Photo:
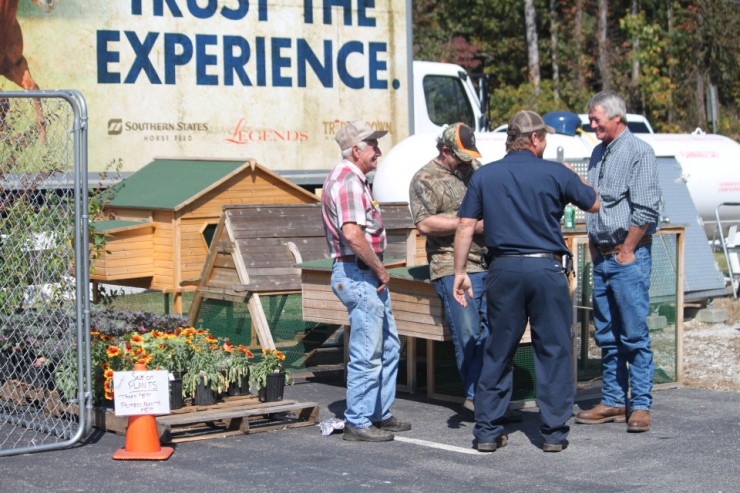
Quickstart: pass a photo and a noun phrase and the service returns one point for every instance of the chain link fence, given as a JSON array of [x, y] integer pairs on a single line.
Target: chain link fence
[[44, 364]]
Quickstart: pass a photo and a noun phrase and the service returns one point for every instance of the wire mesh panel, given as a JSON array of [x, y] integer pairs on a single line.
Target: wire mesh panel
[[42, 345], [306, 345], [447, 377]]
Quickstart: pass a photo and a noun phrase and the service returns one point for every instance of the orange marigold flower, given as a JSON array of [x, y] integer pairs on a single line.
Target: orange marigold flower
[[279, 355], [113, 351], [106, 385], [188, 342], [157, 334], [107, 338], [210, 339], [228, 347], [108, 373], [200, 332], [94, 332], [137, 339], [188, 332], [139, 351], [109, 396]]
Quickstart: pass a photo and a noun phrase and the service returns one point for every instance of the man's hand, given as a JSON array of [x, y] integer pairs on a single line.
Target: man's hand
[[625, 257], [384, 279], [460, 286], [355, 237]]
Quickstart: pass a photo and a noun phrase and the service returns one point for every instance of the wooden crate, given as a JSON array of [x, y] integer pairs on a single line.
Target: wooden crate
[[233, 416]]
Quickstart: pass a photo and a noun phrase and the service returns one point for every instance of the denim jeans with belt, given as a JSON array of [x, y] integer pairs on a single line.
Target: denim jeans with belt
[[468, 327], [373, 344], [621, 306]]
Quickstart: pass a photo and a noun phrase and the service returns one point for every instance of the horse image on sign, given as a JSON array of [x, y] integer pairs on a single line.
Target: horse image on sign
[[13, 64]]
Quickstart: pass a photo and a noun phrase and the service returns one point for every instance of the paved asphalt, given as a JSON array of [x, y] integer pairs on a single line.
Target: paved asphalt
[[694, 447]]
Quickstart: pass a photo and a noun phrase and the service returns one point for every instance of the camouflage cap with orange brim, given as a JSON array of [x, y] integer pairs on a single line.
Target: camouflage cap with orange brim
[[461, 140]]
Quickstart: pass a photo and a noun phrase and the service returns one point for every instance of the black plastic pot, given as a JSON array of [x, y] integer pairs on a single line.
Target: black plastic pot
[[176, 392], [274, 389]]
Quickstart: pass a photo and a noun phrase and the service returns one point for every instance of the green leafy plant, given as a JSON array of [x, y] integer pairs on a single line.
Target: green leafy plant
[[206, 364], [237, 364]]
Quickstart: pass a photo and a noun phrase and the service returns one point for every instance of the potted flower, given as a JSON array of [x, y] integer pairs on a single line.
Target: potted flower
[[269, 375], [236, 368], [204, 379]]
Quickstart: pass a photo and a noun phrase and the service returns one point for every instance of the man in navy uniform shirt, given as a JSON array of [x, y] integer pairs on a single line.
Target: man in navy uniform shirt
[[521, 199]]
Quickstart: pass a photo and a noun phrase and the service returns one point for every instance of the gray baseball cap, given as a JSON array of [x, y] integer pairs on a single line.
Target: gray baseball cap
[[526, 122]]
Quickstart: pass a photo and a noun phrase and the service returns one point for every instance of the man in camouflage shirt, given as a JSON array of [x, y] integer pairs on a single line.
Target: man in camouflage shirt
[[435, 195]]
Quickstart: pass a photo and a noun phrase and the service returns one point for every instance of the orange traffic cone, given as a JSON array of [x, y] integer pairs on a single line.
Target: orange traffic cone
[[142, 438]]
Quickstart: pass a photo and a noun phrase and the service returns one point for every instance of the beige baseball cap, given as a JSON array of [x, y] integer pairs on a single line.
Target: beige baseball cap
[[353, 132]]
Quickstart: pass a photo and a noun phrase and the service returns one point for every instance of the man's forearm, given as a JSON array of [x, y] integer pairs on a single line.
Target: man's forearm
[[634, 235], [463, 241]]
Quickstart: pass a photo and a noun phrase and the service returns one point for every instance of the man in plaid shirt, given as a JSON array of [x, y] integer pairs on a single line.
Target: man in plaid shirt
[[624, 171], [356, 238]]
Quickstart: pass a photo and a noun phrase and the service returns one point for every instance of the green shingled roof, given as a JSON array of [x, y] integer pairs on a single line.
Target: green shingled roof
[[103, 226], [167, 183]]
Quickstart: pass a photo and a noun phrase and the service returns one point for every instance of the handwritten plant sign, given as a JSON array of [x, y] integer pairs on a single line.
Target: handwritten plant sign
[[141, 392]]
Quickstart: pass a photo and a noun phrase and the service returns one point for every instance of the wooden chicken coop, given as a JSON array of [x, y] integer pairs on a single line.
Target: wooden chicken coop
[[166, 215]]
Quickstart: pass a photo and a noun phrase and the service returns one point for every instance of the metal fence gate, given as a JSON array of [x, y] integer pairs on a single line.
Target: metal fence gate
[[45, 383]]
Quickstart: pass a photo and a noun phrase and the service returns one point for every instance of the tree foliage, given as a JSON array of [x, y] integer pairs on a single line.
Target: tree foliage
[[662, 55]]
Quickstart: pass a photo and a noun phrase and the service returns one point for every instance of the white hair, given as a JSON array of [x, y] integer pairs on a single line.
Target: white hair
[[361, 145], [612, 104]]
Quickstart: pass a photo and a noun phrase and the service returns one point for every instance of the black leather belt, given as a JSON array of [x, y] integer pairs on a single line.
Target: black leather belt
[[550, 256], [608, 251]]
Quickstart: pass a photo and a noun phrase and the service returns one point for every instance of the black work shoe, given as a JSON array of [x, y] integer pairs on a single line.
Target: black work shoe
[[554, 447], [500, 442], [368, 434], [393, 424]]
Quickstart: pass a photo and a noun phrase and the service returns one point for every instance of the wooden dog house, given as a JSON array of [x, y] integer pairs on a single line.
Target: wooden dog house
[[166, 215]]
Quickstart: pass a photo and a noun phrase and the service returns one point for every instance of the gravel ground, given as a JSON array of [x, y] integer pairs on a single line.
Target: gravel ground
[[712, 351]]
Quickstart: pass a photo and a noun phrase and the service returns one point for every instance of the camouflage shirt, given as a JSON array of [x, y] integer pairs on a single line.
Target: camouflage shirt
[[436, 191]]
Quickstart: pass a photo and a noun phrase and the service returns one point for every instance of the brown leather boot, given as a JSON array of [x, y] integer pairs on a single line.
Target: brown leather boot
[[639, 421], [601, 414]]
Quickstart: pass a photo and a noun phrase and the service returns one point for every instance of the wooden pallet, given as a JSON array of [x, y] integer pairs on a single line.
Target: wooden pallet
[[233, 416]]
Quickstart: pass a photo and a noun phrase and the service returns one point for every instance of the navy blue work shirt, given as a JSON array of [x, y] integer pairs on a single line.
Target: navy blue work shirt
[[521, 199]]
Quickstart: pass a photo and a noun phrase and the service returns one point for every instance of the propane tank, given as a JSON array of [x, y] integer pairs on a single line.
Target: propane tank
[[710, 168]]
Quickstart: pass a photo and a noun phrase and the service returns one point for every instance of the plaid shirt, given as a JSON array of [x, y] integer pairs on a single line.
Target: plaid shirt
[[625, 173], [347, 198]]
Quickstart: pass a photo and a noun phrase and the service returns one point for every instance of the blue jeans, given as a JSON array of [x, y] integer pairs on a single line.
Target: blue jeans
[[468, 327], [373, 345], [621, 305]]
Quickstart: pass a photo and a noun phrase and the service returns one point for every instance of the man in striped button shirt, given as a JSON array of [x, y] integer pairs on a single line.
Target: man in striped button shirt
[[356, 238], [624, 171]]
